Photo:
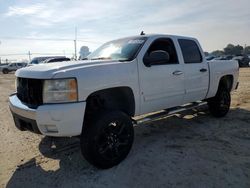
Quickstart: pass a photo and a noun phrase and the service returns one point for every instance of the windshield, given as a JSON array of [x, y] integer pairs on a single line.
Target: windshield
[[121, 49], [38, 60]]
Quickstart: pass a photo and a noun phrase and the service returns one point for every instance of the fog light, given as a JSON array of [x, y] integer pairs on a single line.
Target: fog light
[[51, 128]]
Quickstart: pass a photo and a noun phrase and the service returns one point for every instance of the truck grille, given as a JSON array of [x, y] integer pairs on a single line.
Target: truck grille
[[29, 91]]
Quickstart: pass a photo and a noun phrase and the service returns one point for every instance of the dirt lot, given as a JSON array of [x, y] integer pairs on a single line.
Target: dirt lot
[[191, 149]]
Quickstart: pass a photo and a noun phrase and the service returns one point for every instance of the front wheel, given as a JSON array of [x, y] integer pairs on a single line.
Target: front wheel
[[107, 140], [5, 71], [220, 104]]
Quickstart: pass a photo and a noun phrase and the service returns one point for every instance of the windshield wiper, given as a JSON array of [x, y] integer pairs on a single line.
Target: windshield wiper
[[100, 58], [123, 60]]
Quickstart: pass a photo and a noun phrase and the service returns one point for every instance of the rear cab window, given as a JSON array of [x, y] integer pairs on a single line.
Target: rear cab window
[[190, 51]]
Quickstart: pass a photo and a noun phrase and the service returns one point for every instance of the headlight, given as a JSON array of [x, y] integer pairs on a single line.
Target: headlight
[[60, 90]]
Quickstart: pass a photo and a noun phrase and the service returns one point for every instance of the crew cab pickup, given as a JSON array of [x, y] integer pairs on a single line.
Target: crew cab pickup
[[99, 98]]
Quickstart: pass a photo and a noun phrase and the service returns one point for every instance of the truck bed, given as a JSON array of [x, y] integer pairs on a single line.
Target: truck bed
[[219, 68]]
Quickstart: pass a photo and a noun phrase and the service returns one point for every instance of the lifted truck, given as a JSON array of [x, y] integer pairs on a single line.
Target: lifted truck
[[98, 98]]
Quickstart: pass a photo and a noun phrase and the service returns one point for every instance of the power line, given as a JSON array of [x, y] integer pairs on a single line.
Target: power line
[[13, 54], [49, 53], [47, 39]]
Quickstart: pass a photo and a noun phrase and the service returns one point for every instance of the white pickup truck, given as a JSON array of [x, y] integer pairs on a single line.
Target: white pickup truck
[[98, 98]]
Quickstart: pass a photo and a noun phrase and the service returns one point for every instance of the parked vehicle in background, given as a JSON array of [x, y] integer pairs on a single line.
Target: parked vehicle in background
[[38, 60], [97, 99], [210, 58], [56, 59], [242, 60], [217, 58], [227, 57], [3, 64], [12, 67]]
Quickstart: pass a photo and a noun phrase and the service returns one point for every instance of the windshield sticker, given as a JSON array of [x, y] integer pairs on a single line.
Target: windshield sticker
[[137, 41]]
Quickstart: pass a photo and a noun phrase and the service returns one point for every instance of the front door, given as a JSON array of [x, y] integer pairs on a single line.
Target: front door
[[161, 85]]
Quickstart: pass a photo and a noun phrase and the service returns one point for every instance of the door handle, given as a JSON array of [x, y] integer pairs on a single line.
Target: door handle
[[177, 73], [203, 70]]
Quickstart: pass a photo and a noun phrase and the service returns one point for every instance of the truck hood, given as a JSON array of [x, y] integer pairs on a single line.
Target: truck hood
[[49, 70]]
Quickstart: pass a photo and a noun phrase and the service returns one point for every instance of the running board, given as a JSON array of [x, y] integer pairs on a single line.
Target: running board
[[170, 111]]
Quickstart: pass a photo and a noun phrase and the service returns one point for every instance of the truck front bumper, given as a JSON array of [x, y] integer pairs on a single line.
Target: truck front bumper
[[51, 119]]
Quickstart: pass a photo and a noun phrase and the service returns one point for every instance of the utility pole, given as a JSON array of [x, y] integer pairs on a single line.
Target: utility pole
[[0, 57], [29, 54], [75, 43]]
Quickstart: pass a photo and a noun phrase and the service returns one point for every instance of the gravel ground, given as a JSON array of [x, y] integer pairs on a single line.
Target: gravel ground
[[190, 149]]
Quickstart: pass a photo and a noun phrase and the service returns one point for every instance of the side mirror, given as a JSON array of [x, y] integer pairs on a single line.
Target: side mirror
[[156, 58]]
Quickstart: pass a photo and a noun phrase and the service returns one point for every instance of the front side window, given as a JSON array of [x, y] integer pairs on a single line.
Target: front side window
[[121, 49], [190, 51], [165, 45]]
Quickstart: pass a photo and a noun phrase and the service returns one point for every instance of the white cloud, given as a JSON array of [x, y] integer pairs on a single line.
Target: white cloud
[[214, 23], [25, 10]]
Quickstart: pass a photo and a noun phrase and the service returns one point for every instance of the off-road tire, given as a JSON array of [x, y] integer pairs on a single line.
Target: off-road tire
[[220, 104], [107, 140]]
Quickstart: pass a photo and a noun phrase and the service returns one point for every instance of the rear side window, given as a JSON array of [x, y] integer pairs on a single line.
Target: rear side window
[[190, 51]]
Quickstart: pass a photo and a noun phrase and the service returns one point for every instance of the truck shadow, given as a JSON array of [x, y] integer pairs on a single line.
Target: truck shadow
[[188, 142]]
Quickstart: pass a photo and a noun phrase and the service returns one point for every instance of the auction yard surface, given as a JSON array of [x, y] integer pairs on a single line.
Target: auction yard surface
[[191, 149]]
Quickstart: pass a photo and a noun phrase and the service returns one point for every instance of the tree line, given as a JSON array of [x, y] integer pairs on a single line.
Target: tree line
[[231, 49]]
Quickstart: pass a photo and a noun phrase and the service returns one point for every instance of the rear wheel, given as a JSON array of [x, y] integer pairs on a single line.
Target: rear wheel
[[220, 104], [107, 140]]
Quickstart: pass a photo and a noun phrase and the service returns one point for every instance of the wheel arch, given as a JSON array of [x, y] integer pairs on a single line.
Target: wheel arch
[[226, 81], [115, 98], [5, 70]]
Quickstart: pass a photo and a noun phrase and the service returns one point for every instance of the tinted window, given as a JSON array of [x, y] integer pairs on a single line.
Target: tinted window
[[58, 60], [54, 60], [166, 45], [34, 61], [190, 51]]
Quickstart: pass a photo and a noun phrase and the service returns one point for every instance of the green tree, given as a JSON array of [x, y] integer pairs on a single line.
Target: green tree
[[247, 50], [206, 53], [230, 49], [238, 50], [217, 53]]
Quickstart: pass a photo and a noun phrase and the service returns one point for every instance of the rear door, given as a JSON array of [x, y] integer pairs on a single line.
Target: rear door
[[196, 70], [162, 85]]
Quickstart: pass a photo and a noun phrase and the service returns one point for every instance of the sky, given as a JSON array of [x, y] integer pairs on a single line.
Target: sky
[[214, 23]]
